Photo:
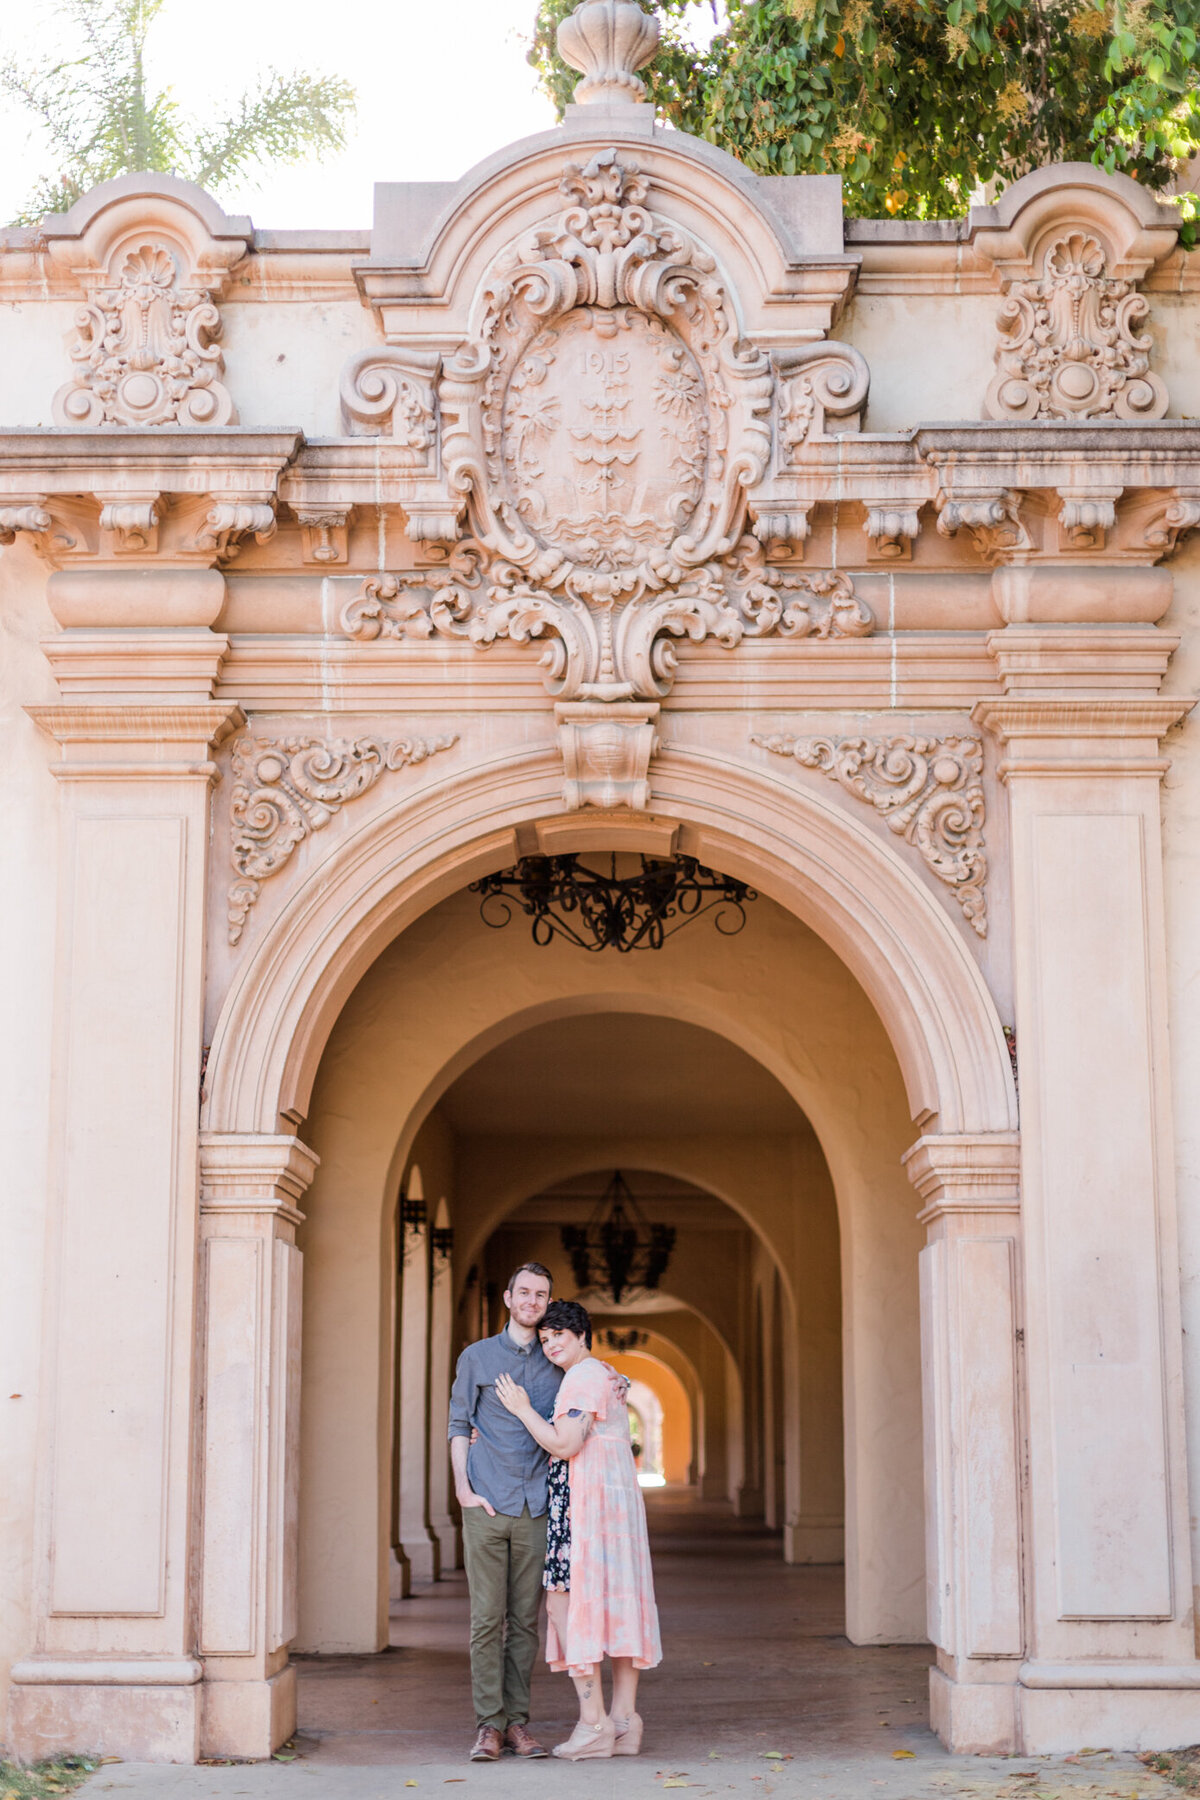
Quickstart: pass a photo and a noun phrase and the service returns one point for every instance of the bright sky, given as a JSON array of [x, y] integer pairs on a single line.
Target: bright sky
[[441, 84]]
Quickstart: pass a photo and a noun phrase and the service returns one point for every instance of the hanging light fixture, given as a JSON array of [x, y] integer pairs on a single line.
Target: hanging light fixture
[[618, 1249], [622, 1342], [597, 911]]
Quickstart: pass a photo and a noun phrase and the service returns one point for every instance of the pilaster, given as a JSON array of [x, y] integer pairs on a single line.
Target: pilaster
[[113, 1664], [971, 1379], [416, 1546], [441, 1371], [1079, 728], [248, 1439]]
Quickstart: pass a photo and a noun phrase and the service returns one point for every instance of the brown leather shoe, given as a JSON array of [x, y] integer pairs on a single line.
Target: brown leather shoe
[[521, 1741], [488, 1744]]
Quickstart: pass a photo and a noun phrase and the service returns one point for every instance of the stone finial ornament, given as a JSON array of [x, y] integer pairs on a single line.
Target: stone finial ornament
[[606, 40]]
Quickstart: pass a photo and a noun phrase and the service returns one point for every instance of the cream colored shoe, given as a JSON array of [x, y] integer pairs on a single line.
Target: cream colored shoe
[[629, 1735], [588, 1741]]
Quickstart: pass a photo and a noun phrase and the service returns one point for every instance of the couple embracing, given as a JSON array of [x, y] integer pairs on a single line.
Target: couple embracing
[[545, 1477]]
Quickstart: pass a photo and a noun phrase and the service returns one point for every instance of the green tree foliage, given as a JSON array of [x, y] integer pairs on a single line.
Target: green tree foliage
[[918, 104], [102, 120]]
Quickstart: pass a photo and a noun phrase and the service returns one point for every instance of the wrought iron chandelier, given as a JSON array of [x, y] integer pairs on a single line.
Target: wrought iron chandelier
[[596, 911], [622, 1342], [618, 1249]]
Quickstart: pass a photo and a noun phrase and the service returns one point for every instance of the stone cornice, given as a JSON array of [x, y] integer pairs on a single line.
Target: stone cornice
[[58, 460], [1054, 735], [136, 742], [965, 1174]]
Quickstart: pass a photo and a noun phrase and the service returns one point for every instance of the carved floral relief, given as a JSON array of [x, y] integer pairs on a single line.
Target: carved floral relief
[[145, 351], [284, 789], [1069, 345], [929, 790]]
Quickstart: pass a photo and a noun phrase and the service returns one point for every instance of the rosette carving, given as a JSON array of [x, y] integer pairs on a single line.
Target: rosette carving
[[1069, 343], [145, 351], [284, 789], [929, 790]]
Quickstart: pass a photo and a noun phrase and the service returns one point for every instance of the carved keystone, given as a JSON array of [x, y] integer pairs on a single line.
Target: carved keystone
[[606, 752]]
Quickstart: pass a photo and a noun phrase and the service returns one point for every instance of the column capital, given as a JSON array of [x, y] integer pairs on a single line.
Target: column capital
[[965, 1173], [1081, 734], [254, 1172], [112, 741]]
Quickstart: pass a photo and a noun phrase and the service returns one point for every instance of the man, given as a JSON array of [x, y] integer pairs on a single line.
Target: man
[[500, 1480]]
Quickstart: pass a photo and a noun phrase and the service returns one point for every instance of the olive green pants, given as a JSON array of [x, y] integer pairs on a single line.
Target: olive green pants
[[505, 1557]]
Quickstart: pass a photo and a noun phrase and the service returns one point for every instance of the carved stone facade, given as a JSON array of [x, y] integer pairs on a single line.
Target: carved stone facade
[[701, 522]]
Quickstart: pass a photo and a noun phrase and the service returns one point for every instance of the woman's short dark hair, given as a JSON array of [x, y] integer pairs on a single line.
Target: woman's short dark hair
[[568, 1315]]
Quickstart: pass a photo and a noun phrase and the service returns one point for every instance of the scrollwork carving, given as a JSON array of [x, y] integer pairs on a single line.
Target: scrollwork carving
[[228, 521], [24, 516], [1069, 343], [993, 522], [477, 597], [389, 393], [1171, 522], [819, 384], [284, 789], [145, 351], [891, 530], [929, 791]]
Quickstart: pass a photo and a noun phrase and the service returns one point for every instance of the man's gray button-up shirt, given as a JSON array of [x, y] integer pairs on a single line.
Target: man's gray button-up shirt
[[507, 1466]]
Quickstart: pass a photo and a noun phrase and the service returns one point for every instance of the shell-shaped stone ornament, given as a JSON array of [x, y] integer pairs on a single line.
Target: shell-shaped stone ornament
[[607, 40]]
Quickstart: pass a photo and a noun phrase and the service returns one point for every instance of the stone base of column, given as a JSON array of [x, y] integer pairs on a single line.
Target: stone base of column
[[446, 1533], [976, 1718], [248, 1718], [814, 1541], [1127, 1706], [420, 1553], [141, 1711], [399, 1576]]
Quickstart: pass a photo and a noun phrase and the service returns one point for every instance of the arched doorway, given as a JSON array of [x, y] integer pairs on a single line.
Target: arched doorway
[[402, 991]]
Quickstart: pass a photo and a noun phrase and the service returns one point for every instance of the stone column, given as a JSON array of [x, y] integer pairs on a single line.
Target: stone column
[[249, 1359], [441, 1372], [416, 1547], [113, 1666], [970, 1351], [1109, 1655]]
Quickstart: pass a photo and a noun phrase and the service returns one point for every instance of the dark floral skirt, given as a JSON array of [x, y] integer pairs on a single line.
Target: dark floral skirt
[[557, 1573]]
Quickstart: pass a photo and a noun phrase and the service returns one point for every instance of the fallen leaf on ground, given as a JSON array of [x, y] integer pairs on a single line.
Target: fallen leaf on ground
[[673, 1782], [110, 1759], [714, 1756], [776, 1755], [708, 1665], [284, 1756], [900, 1755], [410, 1783]]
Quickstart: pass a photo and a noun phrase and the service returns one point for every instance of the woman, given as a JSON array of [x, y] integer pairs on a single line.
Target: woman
[[600, 1591]]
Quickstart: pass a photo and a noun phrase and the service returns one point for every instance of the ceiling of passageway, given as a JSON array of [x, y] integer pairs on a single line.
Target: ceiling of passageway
[[629, 1072]]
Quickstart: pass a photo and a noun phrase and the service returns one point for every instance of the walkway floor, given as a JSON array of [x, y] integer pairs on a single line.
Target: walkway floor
[[755, 1663]]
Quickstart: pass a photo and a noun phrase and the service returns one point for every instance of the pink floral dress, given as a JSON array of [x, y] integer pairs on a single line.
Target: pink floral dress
[[611, 1609]]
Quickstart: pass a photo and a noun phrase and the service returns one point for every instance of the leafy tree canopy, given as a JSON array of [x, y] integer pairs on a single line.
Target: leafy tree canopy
[[102, 120], [918, 104]]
